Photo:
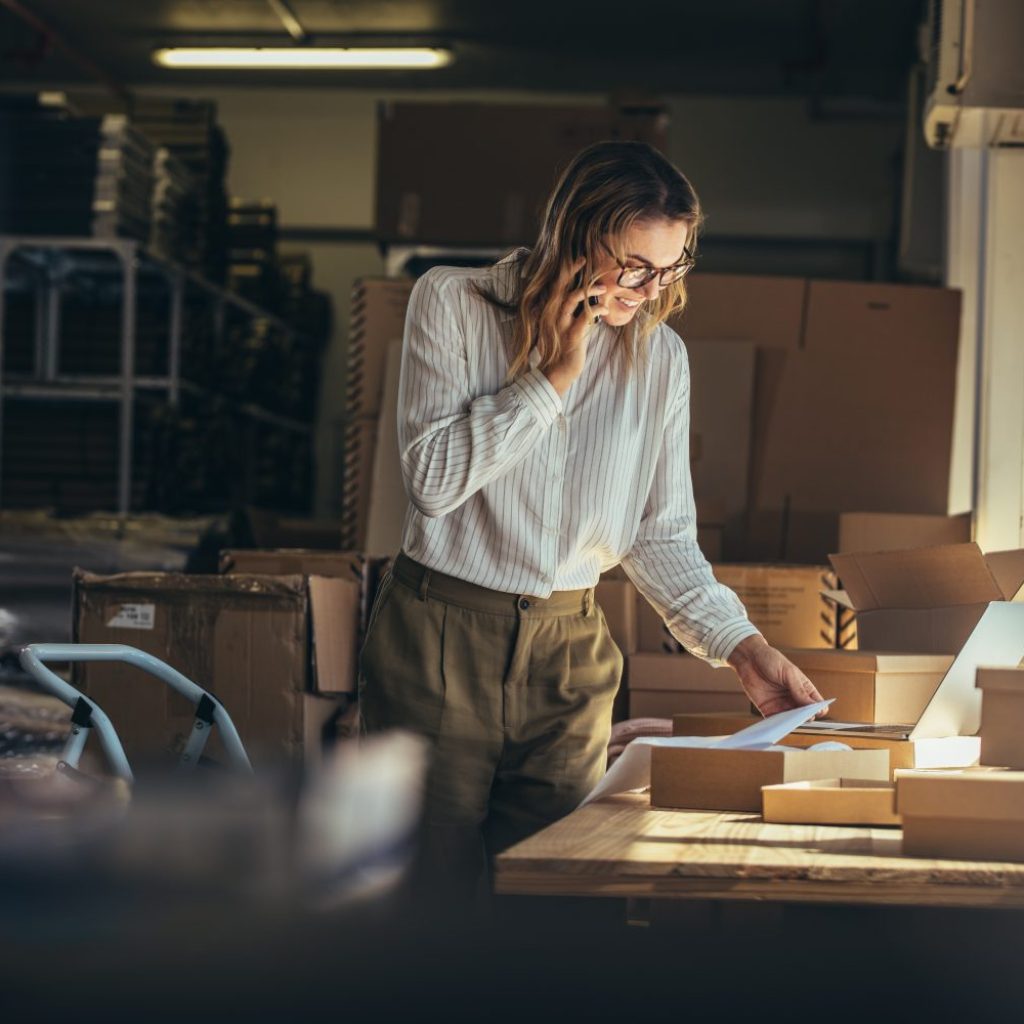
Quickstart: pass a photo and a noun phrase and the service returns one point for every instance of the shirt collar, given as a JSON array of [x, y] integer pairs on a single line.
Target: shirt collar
[[503, 277]]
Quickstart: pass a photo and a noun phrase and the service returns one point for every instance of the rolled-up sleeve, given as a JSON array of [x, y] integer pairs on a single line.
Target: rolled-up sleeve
[[665, 561], [453, 443]]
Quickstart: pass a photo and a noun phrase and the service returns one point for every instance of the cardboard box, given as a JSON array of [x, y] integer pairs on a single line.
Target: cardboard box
[[873, 687], [493, 194], [880, 531], [1002, 716], [359, 441], [785, 602], [377, 319], [721, 407], [663, 685], [669, 703], [893, 399], [731, 780], [617, 599], [243, 637], [338, 584], [924, 599], [721, 723], [831, 802], [969, 816], [944, 752]]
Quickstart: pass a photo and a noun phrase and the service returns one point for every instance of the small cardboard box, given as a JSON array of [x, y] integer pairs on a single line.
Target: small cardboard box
[[337, 584], [712, 779], [873, 687], [969, 816], [785, 602], [1002, 716], [663, 685], [943, 752], [245, 638], [831, 802], [924, 599], [894, 531], [618, 600]]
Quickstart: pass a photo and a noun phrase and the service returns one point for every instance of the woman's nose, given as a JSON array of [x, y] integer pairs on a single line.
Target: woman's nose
[[651, 289]]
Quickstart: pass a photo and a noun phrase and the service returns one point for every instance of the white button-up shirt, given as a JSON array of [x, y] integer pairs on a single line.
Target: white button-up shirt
[[515, 488]]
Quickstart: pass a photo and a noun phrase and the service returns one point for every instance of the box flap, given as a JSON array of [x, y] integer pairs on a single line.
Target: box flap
[[986, 796], [1008, 569], [334, 607], [288, 561], [937, 577], [840, 597]]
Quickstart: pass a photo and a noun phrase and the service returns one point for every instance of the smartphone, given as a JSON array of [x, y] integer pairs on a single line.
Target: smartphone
[[577, 282]]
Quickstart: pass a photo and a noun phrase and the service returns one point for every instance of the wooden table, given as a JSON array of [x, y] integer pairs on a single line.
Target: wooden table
[[622, 847]]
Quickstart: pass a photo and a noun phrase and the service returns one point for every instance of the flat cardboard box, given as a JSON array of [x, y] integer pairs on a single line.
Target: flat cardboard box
[[493, 193], [337, 584], [943, 752], [1002, 716], [243, 637], [882, 531], [721, 406], [924, 599], [618, 600], [785, 602], [969, 816], [871, 686], [731, 780], [670, 703], [831, 802], [359, 441], [879, 359], [376, 319]]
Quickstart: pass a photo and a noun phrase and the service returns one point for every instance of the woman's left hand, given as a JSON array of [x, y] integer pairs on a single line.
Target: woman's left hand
[[769, 678]]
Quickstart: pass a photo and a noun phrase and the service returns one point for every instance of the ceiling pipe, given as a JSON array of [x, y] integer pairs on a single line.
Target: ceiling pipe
[[89, 66], [289, 19]]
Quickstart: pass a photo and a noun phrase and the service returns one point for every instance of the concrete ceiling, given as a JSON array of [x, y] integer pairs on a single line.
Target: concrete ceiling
[[817, 48]]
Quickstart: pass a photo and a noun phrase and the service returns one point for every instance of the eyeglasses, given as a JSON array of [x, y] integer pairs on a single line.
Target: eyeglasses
[[638, 277]]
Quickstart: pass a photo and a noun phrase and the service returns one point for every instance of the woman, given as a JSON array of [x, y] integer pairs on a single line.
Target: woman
[[544, 436]]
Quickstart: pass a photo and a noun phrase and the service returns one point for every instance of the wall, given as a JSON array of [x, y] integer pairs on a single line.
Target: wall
[[765, 169]]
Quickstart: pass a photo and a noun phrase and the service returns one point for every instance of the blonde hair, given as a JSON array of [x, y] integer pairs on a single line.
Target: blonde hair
[[606, 189]]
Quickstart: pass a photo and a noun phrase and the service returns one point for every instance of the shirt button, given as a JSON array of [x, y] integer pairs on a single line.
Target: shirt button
[[524, 603]]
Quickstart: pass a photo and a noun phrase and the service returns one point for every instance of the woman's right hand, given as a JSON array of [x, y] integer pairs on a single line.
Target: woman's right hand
[[575, 328]]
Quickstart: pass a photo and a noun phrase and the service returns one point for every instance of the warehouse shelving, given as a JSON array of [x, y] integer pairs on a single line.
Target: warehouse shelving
[[48, 260]]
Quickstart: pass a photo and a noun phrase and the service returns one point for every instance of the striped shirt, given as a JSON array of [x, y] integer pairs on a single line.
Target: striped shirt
[[517, 489]]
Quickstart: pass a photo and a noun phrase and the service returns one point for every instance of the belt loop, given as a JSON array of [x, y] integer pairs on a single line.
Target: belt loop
[[424, 584], [588, 601]]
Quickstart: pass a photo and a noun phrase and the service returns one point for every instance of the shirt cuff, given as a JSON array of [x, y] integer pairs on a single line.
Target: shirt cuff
[[724, 639], [539, 395]]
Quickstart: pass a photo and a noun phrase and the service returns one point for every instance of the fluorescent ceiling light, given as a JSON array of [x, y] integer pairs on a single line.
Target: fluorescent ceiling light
[[302, 57]]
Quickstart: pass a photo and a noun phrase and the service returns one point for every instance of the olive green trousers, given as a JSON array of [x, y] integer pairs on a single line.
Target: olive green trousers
[[513, 692]]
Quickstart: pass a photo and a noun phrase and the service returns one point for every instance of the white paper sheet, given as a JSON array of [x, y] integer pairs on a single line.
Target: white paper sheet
[[633, 768]]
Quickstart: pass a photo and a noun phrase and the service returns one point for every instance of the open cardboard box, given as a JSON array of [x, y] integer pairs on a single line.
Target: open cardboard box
[[924, 599], [871, 686], [708, 778], [1002, 716], [966, 816], [831, 802], [338, 584]]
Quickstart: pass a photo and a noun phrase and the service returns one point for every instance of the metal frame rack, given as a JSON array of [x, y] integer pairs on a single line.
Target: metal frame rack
[[51, 258]]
